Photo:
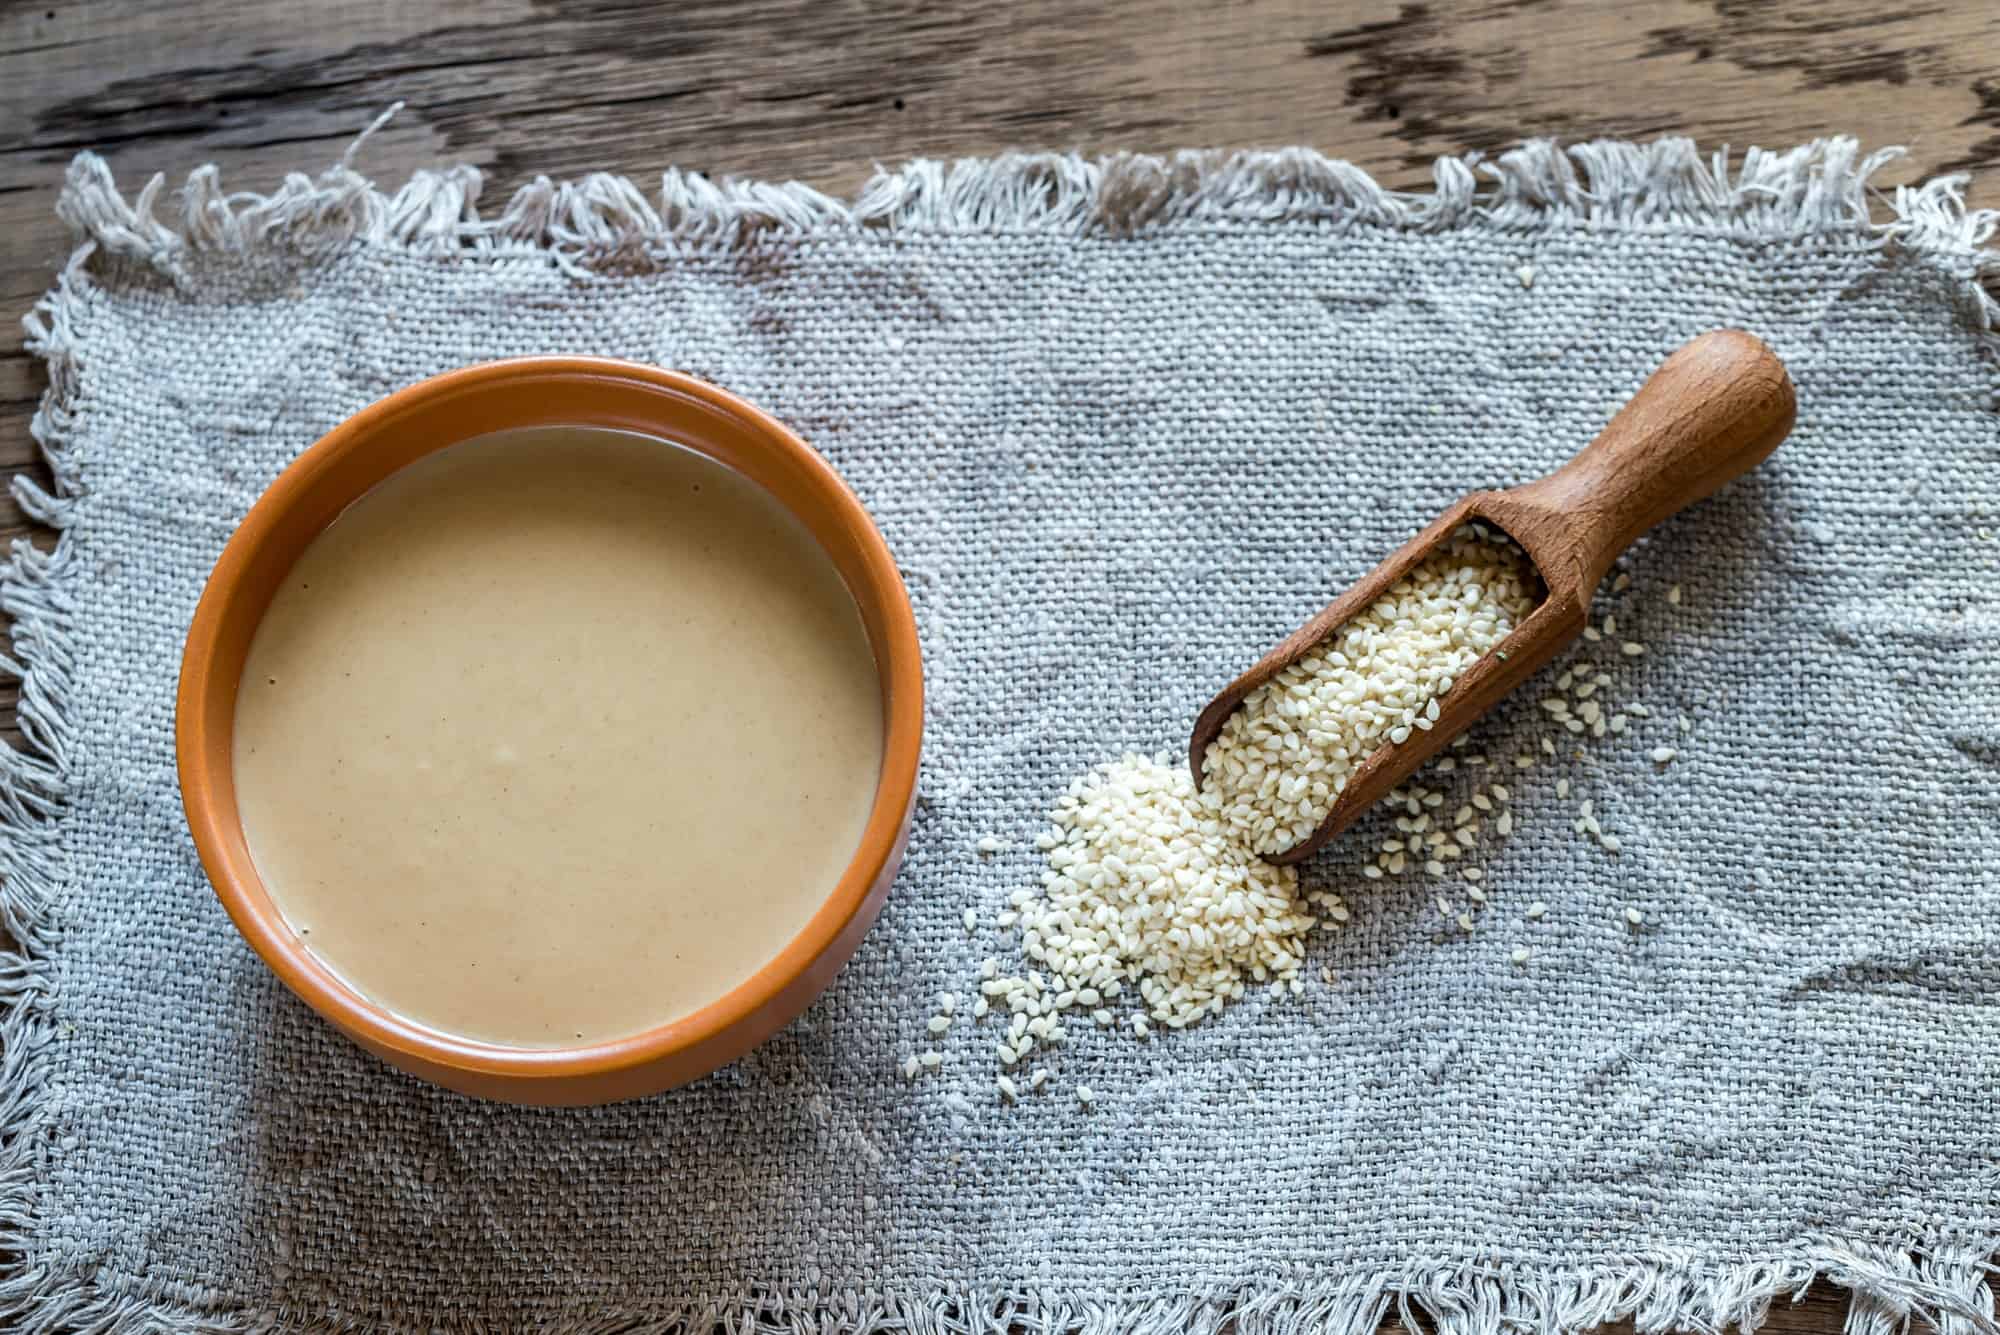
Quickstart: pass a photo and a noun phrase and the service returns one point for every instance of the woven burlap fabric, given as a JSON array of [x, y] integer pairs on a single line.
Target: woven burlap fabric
[[1123, 424]]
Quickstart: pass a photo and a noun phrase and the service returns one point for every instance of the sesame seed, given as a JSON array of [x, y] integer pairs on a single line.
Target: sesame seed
[[1139, 1026], [1631, 648], [1005, 1084], [931, 1060], [1085, 1095], [1662, 754], [1520, 955], [1562, 787], [1039, 1078], [1622, 583], [1674, 595], [911, 1066], [1286, 752], [1634, 917], [939, 1023], [988, 844], [1536, 910], [1465, 921], [971, 921]]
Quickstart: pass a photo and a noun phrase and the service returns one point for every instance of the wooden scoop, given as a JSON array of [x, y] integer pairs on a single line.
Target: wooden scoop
[[1712, 412]]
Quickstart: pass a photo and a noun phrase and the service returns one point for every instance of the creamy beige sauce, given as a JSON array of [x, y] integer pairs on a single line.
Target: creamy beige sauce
[[556, 735]]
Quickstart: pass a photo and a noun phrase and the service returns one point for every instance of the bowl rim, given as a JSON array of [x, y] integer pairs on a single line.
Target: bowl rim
[[216, 830]]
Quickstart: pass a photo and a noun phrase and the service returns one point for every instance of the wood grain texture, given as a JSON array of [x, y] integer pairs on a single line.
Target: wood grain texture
[[822, 89]]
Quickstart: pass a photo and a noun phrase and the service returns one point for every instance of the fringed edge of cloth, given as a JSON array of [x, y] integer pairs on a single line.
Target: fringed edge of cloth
[[604, 225]]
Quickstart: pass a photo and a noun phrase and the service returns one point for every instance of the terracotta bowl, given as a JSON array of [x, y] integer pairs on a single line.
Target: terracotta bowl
[[386, 436]]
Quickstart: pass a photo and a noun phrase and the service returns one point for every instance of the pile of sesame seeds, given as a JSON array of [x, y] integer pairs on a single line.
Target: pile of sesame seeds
[[1109, 921], [1149, 913], [1285, 755]]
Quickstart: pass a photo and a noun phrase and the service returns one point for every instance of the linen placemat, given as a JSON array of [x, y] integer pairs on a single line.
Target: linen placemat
[[1123, 422]]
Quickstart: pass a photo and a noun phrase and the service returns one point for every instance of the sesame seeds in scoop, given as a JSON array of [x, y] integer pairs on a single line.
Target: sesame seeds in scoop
[[1286, 754]]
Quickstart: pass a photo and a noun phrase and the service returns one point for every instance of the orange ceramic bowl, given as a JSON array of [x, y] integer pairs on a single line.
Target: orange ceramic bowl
[[386, 436]]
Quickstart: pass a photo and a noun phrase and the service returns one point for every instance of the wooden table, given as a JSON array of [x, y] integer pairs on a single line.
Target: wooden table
[[822, 89]]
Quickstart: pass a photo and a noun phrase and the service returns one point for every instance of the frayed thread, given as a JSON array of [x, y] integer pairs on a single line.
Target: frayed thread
[[35, 597], [605, 223], [1894, 1292]]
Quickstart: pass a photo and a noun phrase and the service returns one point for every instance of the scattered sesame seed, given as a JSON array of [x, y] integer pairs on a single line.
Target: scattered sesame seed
[[971, 921], [939, 1023], [1562, 787], [1638, 711], [1140, 1027], [980, 1008], [1622, 583], [1548, 747], [1663, 754], [1465, 921], [1592, 634], [1524, 761], [1536, 910], [947, 1002], [1504, 826], [988, 844], [1634, 917], [1005, 1084], [1039, 1078], [1085, 1095], [1326, 975], [1433, 868], [1611, 625], [931, 1060], [1609, 841], [1520, 955], [1631, 648], [1686, 724], [911, 1066]]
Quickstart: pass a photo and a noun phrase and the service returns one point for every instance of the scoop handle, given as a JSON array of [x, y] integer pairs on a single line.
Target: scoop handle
[[1714, 410]]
